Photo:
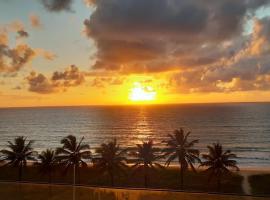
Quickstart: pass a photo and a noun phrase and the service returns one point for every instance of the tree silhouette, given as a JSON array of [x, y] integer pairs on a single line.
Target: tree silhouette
[[47, 163], [218, 162], [73, 154], [20, 151], [145, 158], [178, 147], [111, 159]]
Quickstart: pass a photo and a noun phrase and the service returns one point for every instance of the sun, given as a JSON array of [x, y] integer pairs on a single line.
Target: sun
[[141, 93]]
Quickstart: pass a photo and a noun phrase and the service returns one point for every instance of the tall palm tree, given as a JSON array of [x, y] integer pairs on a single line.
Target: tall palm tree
[[178, 147], [111, 159], [218, 162], [145, 158], [47, 163], [20, 151], [73, 154]]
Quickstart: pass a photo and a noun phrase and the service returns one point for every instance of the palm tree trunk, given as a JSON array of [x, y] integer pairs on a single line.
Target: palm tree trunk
[[145, 176], [74, 174], [50, 177], [218, 183], [50, 181], [78, 174], [112, 177], [74, 181], [181, 175], [20, 173], [182, 178]]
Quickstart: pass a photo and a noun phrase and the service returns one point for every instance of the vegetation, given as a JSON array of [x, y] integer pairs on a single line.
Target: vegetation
[[218, 163], [48, 163], [158, 179], [18, 154], [146, 158], [260, 184], [178, 147], [111, 159], [72, 157], [73, 154]]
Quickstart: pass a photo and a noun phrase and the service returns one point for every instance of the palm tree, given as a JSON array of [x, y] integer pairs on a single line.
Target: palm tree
[[111, 159], [145, 157], [218, 162], [47, 163], [73, 154], [20, 151], [178, 147]]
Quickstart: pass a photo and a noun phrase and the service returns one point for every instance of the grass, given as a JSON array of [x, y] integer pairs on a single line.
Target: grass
[[260, 184], [159, 179]]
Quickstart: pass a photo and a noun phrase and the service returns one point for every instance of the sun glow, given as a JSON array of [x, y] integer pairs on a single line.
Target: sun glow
[[140, 93]]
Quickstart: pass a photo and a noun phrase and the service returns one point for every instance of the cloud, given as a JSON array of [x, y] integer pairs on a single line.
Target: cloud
[[3, 38], [248, 68], [49, 55], [137, 36], [202, 44], [45, 54], [40, 84], [102, 82], [14, 26], [17, 88], [35, 21], [13, 59], [22, 33], [90, 2], [58, 82], [72, 76], [260, 38], [57, 5]]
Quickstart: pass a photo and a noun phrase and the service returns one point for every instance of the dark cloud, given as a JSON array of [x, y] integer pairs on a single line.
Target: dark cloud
[[57, 5], [40, 84], [72, 76], [59, 81], [204, 41], [13, 59], [22, 33], [247, 69], [161, 35]]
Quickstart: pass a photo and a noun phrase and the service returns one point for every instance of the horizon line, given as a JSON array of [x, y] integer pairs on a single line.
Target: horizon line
[[152, 104]]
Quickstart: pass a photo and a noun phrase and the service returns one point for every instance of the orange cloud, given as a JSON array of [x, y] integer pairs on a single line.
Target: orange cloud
[[35, 21], [59, 81]]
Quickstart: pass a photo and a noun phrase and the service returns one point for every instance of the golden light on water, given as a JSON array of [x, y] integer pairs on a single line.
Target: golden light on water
[[140, 93]]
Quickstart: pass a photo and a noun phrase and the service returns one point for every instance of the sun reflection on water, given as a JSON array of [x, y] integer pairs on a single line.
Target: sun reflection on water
[[142, 128]]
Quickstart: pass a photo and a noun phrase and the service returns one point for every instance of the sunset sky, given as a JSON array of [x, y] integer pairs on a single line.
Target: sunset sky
[[89, 52]]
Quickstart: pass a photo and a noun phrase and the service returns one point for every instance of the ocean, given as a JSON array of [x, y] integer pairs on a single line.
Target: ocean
[[244, 128]]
